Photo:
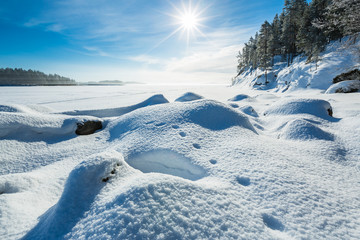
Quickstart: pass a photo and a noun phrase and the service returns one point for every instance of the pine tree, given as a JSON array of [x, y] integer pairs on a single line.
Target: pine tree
[[275, 38], [342, 18], [293, 12], [263, 47]]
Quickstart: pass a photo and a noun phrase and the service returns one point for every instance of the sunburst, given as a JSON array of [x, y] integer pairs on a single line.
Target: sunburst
[[189, 20]]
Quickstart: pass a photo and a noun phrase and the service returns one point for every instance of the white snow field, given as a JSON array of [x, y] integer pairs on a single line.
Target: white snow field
[[218, 163]]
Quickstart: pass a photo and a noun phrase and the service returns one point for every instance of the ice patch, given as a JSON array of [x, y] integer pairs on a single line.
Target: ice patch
[[167, 162], [300, 129], [189, 96], [316, 107]]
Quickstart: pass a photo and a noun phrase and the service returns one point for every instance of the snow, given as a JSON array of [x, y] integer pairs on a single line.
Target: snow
[[234, 164], [187, 97], [344, 87], [338, 57]]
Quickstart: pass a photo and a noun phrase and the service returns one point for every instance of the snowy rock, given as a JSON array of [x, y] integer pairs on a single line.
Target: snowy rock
[[351, 75], [88, 127], [189, 96], [316, 107], [344, 87], [35, 126]]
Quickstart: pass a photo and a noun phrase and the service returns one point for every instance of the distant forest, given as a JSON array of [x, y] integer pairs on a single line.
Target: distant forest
[[302, 28], [21, 77]]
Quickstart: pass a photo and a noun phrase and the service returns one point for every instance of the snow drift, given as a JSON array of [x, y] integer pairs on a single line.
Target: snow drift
[[195, 169], [114, 112], [316, 107]]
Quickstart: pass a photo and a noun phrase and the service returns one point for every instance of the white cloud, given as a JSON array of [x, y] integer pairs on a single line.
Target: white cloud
[[147, 59]]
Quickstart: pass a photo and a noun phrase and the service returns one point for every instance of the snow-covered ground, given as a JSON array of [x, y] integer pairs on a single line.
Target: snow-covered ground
[[337, 58], [223, 162]]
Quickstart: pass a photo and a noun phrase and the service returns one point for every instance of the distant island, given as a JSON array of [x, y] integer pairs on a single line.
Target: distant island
[[21, 77]]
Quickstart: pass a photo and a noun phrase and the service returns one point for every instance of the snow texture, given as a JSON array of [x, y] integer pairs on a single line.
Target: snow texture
[[270, 166], [344, 87], [189, 96]]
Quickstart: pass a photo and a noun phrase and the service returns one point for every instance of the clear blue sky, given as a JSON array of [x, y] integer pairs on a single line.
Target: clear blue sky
[[131, 40]]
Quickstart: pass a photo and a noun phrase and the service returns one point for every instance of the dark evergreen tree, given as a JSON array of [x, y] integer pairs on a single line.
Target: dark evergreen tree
[[263, 49], [275, 38]]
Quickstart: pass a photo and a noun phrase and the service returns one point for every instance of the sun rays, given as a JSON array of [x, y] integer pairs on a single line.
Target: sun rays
[[188, 19]]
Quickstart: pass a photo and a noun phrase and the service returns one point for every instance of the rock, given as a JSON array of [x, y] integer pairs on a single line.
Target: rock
[[88, 127], [351, 75], [348, 86]]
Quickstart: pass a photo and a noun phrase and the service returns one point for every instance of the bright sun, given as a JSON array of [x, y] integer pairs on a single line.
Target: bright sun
[[189, 21]]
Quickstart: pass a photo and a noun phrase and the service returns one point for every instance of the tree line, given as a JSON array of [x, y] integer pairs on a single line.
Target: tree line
[[301, 28], [21, 77]]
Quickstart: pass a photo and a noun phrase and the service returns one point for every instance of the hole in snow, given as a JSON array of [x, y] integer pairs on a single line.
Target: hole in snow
[[166, 161], [213, 161], [196, 145], [272, 222], [182, 134], [245, 181]]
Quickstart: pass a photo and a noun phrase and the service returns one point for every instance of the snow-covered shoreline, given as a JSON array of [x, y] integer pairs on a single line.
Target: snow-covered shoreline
[[263, 165], [339, 57]]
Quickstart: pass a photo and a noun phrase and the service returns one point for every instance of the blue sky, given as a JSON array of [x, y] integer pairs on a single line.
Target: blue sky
[[130, 40]]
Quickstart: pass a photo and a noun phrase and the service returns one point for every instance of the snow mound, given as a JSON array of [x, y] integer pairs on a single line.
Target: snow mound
[[189, 96], [167, 208], [216, 116], [249, 110], [239, 97], [82, 186], [4, 108], [316, 107], [113, 112], [300, 129], [34, 127], [208, 114], [166, 161], [344, 87]]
